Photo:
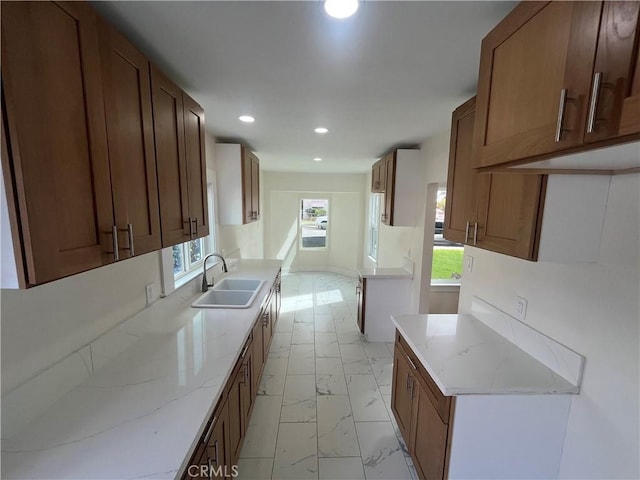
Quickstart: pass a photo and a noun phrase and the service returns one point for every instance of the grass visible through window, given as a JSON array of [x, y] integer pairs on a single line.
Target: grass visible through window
[[447, 263]]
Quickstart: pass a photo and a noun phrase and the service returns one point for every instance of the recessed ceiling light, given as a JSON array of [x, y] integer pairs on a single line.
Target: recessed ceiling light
[[317, 159], [246, 119], [321, 130], [341, 8]]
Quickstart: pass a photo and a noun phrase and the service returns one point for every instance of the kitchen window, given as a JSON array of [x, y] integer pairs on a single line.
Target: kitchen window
[[374, 225], [183, 262], [446, 267], [314, 223]]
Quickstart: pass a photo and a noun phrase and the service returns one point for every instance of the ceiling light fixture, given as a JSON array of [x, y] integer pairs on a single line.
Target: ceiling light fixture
[[317, 159], [321, 130], [246, 118], [341, 8]]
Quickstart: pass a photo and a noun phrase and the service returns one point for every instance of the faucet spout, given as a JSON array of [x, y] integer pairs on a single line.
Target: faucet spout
[[205, 283]]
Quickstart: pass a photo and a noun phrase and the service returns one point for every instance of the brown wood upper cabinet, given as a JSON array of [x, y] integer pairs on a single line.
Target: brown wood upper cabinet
[[557, 78], [55, 159], [250, 186], [497, 212], [179, 140], [378, 176], [238, 184], [401, 187], [127, 101]]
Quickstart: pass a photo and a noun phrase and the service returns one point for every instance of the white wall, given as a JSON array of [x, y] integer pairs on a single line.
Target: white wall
[[43, 325], [592, 308], [416, 242], [282, 195], [249, 239]]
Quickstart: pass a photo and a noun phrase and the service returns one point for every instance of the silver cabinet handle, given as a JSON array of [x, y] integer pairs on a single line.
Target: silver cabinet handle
[[210, 431], [413, 365], [194, 221], [132, 252], [244, 350], [215, 450], [561, 109], [114, 233], [406, 383], [475, 233], [466, 233], [593, 104], [265, 320]]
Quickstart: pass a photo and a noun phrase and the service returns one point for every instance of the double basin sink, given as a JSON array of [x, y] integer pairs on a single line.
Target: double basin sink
[[230, 293]]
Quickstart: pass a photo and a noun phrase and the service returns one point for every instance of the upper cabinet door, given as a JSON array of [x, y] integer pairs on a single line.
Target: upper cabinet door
[[56, 137], [615, 93], [510, 208], [534, 81], [168, 122], [460, 208], [247, 194], [127, 94], [389, 187], [196, 164], [255, 186]]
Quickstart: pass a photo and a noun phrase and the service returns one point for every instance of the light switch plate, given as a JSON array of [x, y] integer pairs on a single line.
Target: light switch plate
[[468, 263], [149, 293], [520, 308]]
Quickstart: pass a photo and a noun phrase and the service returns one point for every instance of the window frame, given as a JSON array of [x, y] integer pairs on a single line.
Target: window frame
[[301, 201], [374, 226], [442, 282], [171, 281]]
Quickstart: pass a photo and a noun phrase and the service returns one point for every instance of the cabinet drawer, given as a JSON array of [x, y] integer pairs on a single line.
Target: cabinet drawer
[[440, 402]]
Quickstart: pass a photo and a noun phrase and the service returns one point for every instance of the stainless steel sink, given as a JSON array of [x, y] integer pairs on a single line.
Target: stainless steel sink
[[238, 284]]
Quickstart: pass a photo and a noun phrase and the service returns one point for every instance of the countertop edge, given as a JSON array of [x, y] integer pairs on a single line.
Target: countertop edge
[[459, 391]]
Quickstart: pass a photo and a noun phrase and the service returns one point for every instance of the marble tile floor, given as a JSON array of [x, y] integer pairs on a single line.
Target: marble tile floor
[[323, 407]]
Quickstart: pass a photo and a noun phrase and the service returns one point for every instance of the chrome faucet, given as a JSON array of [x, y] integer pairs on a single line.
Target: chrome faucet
[[205, 283]]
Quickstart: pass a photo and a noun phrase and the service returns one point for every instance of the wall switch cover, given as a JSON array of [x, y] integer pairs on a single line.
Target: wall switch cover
[[468, 263], [149, 293], [520, 308]]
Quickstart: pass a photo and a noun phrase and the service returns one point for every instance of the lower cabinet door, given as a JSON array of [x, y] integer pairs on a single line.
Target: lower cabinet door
[[235, 416], [258, 357], [429, 437], [218, 444], [401, 393], [198, 467]]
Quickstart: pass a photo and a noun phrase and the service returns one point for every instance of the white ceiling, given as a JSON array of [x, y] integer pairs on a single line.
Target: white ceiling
[[388, 76]]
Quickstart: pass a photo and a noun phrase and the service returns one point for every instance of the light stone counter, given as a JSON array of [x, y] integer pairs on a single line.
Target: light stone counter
[[377, 273], [141, 414], [465, 357]]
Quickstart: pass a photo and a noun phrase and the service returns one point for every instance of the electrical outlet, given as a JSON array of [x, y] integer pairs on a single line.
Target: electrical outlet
[[468, 263], [149, 293], [520, 308]]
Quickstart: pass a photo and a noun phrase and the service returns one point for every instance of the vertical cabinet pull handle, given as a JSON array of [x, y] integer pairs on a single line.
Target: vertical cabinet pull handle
[[265, 320], [114, 233], [475, 233], [593, 104], [466, 233], [215, 450], [406, 383], [194, 222], [561, 109], [132, 251]]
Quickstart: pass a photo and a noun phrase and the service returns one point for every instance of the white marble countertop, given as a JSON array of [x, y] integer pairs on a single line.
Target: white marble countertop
[[376, 273], [141, 414], [465, 357]]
